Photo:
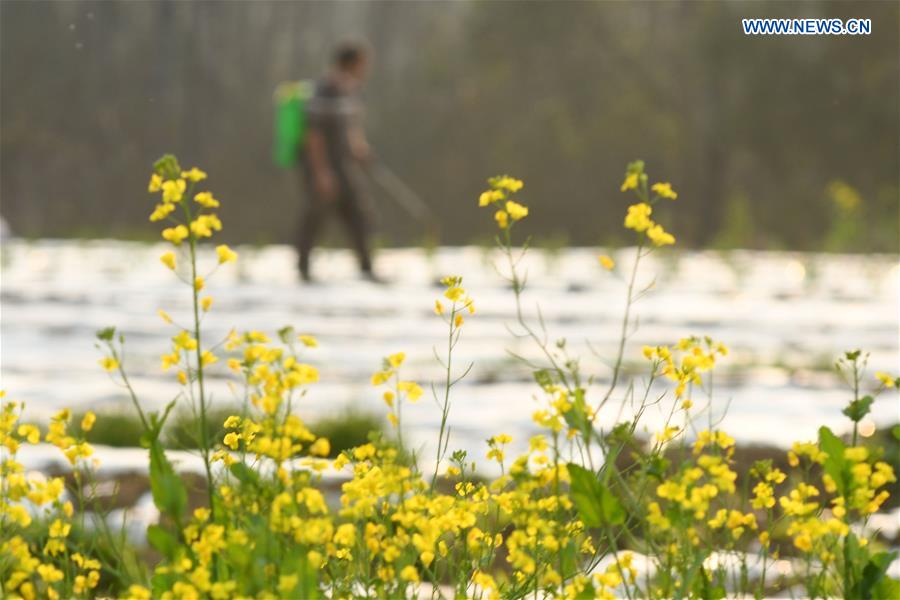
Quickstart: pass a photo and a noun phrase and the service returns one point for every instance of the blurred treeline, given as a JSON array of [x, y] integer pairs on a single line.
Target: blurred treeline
[[784, 142]]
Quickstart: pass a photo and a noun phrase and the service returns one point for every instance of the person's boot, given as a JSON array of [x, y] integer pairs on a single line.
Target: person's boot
[[303, 268], [370, 276]]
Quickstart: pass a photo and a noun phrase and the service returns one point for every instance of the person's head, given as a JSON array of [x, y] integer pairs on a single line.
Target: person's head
[[352, 58]]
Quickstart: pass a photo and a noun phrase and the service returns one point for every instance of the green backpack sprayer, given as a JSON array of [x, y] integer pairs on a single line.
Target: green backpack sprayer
[[291, 98]]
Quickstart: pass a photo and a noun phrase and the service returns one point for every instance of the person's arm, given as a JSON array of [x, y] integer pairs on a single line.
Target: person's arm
[[359, 145], [323, 177]]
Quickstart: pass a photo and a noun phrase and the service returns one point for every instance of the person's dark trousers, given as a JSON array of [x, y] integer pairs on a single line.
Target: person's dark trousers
[[352, 207]]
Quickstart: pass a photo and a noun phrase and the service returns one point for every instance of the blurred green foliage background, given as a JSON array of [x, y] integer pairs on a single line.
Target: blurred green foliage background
[[765, 138]]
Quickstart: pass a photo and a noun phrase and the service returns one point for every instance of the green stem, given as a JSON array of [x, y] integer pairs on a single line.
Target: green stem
[[204, 433], [445, 408]]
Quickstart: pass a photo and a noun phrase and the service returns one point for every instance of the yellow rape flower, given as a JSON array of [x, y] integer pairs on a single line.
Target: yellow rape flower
[[225, 254], [489, 197], [659, 236], [502, 218], [885, 379], [606, 262], [412, 390], [362, 452], [664, 190], [138, 592], [30, 433], [395, 360], [206, 303], [155, 183], [206, 200], [161, 211], [204, 225], [87, 423], [183, 341], [49, 573], [168, 259], [667, 434], [516, 211], [630, 182], [381, 377], [59, 529], [109, 363], [345, 535], [505, 182], [321, 447], [763, 496], [454, 293], [638, 217], [308, 341], [176, 235], [173, 190], [194, 175], [199, 283], [410, 574]]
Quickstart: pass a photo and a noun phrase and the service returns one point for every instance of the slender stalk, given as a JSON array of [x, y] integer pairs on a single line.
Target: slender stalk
[[623, 336], [131, 392], [445, 408], [195, 296]]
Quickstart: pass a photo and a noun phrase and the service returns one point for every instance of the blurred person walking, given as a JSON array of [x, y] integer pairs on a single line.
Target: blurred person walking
[[335, 157]]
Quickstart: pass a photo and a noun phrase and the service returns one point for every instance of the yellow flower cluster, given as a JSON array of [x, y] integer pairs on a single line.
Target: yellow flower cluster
[[499, 194], [638, 216], [398, 390], [460, 301], [543, 527], [273, 378], [40, 566], [173, 184], [684, 362]]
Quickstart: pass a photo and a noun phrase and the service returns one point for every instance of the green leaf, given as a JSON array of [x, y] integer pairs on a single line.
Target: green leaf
[[106, 334], [162, 583], [657, 466], [887, 587], [168, 490], [596, 504], [162, 540], [286, 334], [308, 584], [244, 474], [587, 593], [874, 572], [858, 409], [835, 463], [576, 417], [543, 378], [155, 426]]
